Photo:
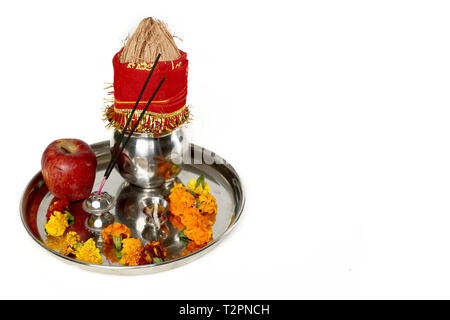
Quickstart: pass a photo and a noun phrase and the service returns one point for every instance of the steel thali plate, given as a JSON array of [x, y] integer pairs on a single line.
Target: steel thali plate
[[223, 180]]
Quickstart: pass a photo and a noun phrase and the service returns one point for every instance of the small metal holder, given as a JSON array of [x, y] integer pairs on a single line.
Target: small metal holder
[[98, 206], [156, 212]]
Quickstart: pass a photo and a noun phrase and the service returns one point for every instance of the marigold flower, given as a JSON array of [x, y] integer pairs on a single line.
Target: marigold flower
[[192, 247], [180, 199], [131, 252], [110, 252], [208, 204], [194, 209], [57, 205], [65, 244], [89, 253], [70, 242], [200, 236], [190, 218], [115, 230], [176, 222], [153, 252], [198, 189], [57, 224], [166, 169]]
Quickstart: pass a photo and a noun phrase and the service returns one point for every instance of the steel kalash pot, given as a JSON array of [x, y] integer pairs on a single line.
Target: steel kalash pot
[[152, 156], [151, 162]]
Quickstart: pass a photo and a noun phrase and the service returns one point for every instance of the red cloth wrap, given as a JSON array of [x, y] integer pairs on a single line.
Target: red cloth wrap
[[129, 80]]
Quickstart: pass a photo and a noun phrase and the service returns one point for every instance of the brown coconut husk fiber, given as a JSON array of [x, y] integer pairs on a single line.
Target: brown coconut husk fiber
[[150, 38]]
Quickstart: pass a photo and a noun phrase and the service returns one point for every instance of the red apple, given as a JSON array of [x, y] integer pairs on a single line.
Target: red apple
[[68, 167]]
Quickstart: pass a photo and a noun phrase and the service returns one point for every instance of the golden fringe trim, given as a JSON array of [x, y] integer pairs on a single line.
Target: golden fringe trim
[[152, 123]]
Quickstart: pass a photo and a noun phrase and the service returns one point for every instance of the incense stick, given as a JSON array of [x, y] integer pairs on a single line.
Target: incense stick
[[119, 150]]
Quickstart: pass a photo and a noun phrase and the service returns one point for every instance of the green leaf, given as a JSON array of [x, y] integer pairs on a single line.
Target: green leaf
[[200, 181], [70, 218], [183, 237], [117, 242], [119, 254], [157, 260], [193, 193]]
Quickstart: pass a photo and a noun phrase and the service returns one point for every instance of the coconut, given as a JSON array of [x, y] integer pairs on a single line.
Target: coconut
[[150, 38]]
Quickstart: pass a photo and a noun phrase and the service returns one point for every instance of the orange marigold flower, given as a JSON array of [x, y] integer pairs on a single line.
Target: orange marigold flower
[[176, 222], [192, 247], [115, 230], [200, 236], [131, 252], [194, 211], [190, 218], [180, 199], [165, 168], [208, 204]]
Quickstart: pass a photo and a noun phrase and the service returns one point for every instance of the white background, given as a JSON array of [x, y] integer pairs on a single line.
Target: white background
[[335, 114]]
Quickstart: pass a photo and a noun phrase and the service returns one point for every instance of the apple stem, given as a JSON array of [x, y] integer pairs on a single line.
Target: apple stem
[[65, 150], [101, 186]]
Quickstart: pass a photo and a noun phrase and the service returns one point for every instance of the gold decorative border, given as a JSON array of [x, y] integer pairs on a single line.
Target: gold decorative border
[[140, 102], [152, 123], [148, 66]]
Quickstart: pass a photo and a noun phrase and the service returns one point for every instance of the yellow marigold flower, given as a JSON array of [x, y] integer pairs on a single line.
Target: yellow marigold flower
[[89, 253], [199, 189], [57, 224], [131, 252], [70, 242], [177, 185]]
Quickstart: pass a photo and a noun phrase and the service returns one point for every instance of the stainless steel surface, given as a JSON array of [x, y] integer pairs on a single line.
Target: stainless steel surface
[[151, 162], [98, 206], [155, 229], [98, 203], [129, 209], [156, 211]]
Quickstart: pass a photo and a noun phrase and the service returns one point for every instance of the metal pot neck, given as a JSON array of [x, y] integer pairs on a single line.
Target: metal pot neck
[[149, 135]]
